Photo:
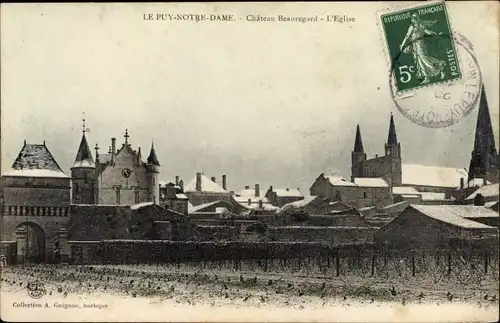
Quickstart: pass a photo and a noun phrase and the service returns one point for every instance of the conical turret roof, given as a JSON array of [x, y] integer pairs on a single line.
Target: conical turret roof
[[84, 156], [152, 159]]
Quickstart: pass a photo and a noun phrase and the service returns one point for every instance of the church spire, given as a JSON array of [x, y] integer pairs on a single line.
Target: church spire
[[358, 142], [392, 139], [84, 155], [484, 154], [152, 159]]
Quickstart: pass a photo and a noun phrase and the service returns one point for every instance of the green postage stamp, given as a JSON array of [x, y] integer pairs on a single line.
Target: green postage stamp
[[420, 45]]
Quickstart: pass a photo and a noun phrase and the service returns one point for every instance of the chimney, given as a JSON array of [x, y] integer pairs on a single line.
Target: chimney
[[213, 179], [224, 182], [113, 149], [352, 179], [181, 184], [260, 204], [177, 180], [247, 187], [231, 192], [271, 188], [461, 183], [198, 181], [484, 180], [249, 201], [257, 190]]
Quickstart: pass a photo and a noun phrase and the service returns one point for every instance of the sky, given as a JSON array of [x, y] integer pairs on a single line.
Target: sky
[[267, 103]]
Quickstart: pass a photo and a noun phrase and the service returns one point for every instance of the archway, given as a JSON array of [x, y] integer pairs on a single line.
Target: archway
[[31, 242]]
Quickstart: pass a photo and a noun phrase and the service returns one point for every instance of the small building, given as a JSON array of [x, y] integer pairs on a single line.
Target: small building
[[486, 193], [252, 201], [335, 188], [201, 190], [172, 197], [433, 226], [35, 197], [373, 191], [281, 196], [319, 211]]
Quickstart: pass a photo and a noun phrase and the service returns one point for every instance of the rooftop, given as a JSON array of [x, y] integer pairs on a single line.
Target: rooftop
[[370, 182], [35, 161], [486, 191], [339, 181], [404, 190], [286, 192], [207, 185], [434, 176], [457, 214]]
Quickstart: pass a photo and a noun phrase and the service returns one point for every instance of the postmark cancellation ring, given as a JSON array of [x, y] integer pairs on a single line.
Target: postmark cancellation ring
[[441, 104]]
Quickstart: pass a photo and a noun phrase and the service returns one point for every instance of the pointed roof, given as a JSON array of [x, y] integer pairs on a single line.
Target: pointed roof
[[84, 156], [152, 159], [35, 161], [484, 141], [392, 139], [358, 142], [207, 185]]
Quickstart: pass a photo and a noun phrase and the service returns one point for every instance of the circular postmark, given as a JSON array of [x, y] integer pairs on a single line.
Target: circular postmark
[[440, 104], [35, 289]]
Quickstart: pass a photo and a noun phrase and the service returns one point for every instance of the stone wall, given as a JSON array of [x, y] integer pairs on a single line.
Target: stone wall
[[331, 235]]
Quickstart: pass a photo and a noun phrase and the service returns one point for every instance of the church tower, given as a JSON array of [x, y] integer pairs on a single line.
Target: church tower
[[393, 153], [153, 172], [83, 173], [484, 161], [357, 155]]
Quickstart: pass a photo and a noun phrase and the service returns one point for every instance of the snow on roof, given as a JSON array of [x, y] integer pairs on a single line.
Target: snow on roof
[[256, 206], [339, 181], [476, 182], [202, 206], [286, 192], [490, 204], [431, 196], [140, 205], [404, 190], [243, 196], [84, 163], [190, 207], [83, 155], [435, 176], [35, 173], [300, 203], [491, 190], [370, 182], [457, 214], [35, 161], [207, 185], [181, 196], [402, 204]]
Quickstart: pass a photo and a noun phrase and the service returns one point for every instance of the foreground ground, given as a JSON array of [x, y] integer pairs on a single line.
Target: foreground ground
[[214, 288]]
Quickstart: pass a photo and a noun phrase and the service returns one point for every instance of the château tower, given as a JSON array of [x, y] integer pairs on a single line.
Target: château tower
[[153, 172], [83, 174]]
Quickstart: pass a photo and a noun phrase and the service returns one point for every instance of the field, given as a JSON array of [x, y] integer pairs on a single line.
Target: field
[[218, 283]]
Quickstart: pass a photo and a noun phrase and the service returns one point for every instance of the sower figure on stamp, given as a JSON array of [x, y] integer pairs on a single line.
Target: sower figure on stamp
[[427, 66]]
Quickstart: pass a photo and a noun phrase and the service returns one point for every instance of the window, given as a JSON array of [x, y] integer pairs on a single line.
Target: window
[[117, 192], [364, 195], [136, 195], [10, 210]]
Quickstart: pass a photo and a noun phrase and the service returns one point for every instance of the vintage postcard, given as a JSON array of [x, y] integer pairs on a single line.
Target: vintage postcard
[[250, 162]]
